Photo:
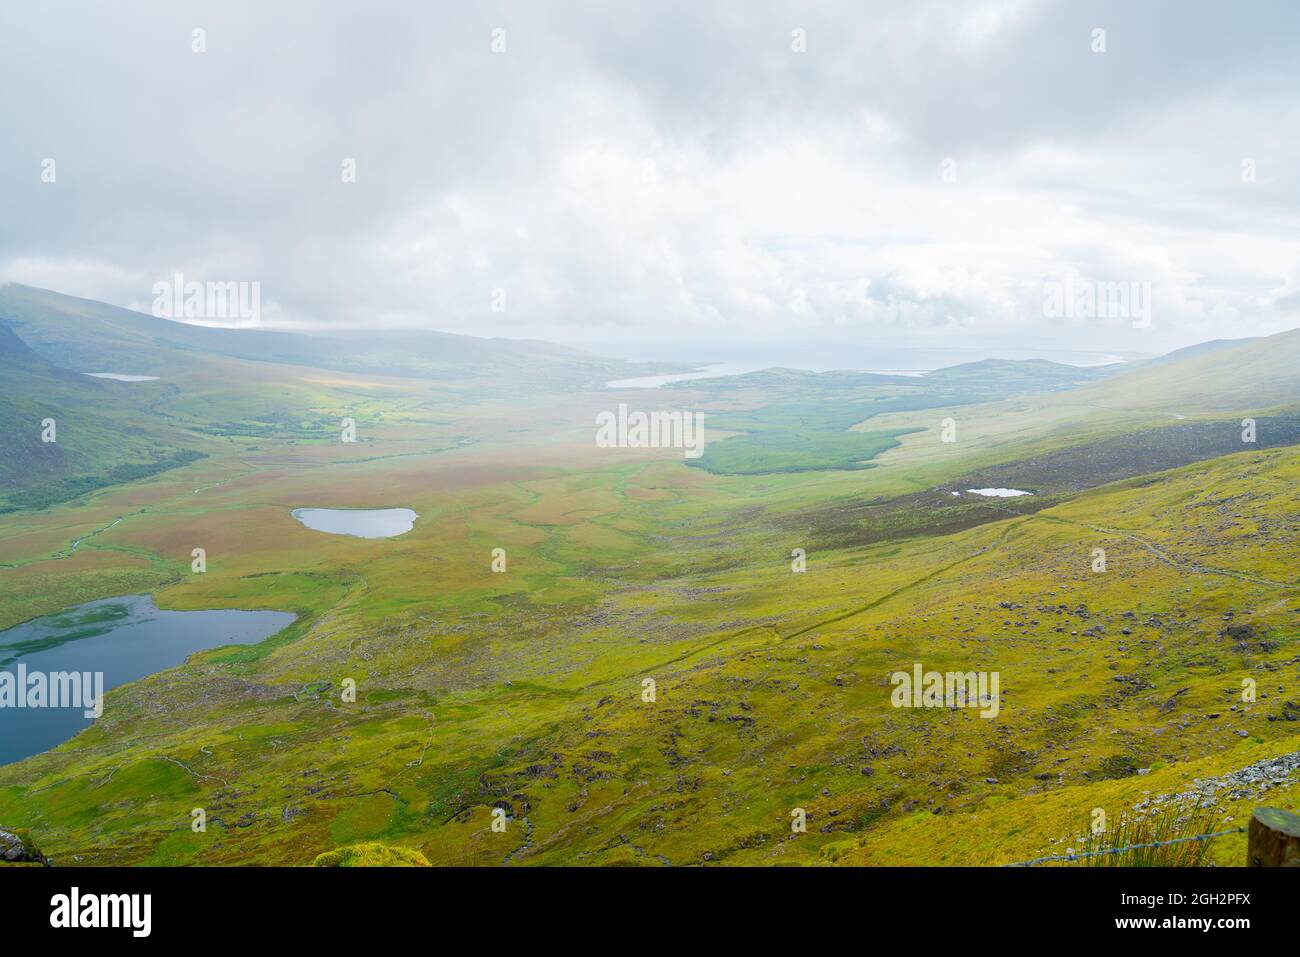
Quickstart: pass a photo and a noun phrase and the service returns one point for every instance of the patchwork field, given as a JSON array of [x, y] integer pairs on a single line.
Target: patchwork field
[[677, 662]]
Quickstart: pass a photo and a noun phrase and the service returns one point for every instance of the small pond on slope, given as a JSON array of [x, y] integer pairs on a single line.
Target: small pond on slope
[[362, 522]]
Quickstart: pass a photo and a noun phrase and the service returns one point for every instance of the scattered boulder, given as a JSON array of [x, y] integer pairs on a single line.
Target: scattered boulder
[[1244, 631], [1173, 701], [1244, 635], [1290, 712]]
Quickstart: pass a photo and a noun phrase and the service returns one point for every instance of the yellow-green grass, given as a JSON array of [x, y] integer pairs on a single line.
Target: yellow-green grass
[[771, 686], [523, 690]]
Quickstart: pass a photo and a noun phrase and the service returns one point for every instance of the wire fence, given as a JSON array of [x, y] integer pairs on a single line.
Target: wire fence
[[1119, 850]]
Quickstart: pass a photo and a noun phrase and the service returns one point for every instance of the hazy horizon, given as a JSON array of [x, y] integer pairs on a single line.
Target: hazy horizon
[[717, 358]]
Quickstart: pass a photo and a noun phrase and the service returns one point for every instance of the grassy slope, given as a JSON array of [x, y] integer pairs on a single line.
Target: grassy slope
[[771, 695], [1255, 376], [105, 432], [523, 690]]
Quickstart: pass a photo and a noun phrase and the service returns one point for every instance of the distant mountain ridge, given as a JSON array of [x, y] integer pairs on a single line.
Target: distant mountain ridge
[[110, 434], [89, 336], [1038, 371]]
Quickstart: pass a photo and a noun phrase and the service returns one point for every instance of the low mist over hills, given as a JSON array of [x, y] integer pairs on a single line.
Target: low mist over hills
[[94, 336]]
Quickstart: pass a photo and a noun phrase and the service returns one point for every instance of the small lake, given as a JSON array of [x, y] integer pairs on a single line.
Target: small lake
[[719, 369], [997, 492], [361, 522], [711, 371], [120, 377], [124, 638]]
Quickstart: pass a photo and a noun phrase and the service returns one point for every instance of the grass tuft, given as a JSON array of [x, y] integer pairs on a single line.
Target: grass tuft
[[1127, 844]]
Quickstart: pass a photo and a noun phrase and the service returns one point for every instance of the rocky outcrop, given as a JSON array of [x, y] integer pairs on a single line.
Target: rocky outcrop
[[16, 847]]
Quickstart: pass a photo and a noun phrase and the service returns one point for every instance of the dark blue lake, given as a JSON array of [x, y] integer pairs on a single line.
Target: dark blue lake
[[124, 639]]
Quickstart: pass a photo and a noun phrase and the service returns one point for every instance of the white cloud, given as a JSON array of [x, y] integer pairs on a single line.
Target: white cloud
[[666, 172]]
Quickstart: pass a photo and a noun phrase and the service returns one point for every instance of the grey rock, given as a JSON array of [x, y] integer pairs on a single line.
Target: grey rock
[[16, 849]]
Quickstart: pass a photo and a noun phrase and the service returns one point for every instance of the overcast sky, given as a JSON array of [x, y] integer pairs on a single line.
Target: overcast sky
[[664, 178]]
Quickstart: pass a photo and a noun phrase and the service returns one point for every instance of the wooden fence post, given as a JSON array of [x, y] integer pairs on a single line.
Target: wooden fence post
[[1274, 838]]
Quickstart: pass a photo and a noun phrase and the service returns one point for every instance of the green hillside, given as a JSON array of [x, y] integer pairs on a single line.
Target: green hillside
[[99, 439], [768, 609], [1254, 374], [802, 421]]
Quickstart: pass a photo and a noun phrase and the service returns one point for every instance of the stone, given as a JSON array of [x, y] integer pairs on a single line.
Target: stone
[[16, 847]]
